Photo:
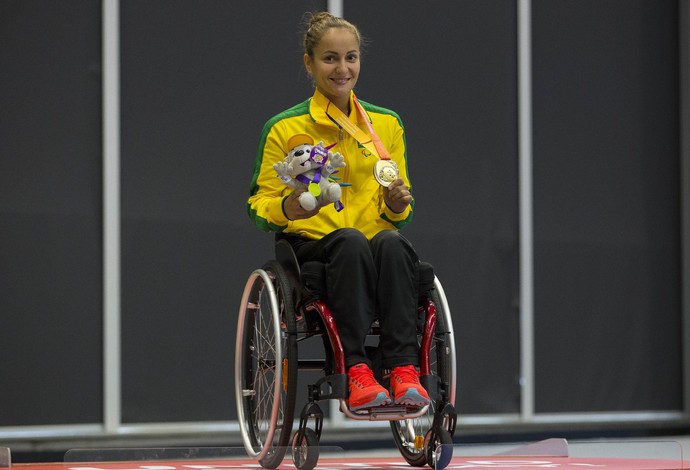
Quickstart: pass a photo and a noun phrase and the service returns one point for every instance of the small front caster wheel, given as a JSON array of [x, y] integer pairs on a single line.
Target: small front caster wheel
[[439, 448], [305, 449]]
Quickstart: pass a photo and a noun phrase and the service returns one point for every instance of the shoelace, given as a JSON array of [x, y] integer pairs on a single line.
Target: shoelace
[[363, 376], [406, 374]]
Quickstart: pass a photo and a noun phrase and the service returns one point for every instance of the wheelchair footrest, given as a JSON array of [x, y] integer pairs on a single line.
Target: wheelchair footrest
[[384, 413]]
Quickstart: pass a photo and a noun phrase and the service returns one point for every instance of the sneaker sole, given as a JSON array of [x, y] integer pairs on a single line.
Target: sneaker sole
[[413, 398], [380, 400]]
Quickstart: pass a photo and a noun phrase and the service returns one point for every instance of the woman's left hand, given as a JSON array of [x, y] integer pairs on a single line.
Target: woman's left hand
[[397, 195]]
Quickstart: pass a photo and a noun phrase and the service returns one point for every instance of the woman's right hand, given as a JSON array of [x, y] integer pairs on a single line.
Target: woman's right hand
[[292, 208]]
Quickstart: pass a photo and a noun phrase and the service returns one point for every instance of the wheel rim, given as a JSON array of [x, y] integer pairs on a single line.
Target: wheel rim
[[439, 298], [258, 365], [299, 450]]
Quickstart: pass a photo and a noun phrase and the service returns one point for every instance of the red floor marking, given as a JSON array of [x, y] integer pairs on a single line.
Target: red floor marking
[[523, 463]]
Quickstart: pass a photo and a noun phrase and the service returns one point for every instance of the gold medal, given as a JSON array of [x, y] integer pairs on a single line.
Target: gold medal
[[385, 172]]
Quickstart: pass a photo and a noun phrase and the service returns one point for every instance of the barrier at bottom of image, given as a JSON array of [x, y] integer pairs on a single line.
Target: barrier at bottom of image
[[550, 453]]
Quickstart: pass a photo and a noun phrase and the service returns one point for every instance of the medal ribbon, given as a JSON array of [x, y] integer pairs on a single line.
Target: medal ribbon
[[373, 143], [382, 152]]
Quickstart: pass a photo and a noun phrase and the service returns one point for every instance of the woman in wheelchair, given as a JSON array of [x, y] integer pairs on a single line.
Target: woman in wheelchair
[[371, 269], [331, 180]]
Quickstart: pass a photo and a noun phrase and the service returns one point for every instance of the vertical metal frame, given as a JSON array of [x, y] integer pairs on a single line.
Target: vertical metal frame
[[335, 7], [111, 216], [524, 17], [684, 130]]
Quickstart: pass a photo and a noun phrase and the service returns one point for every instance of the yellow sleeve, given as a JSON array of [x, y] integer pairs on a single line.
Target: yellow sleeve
[[265, 204]]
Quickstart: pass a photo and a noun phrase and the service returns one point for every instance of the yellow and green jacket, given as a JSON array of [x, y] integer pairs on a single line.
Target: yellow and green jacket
[[362, 196]]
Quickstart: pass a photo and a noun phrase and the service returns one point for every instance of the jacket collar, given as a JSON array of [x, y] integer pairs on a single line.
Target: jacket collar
[[317, 109]]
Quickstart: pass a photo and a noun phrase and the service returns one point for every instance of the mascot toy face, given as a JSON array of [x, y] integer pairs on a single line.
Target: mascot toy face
[[300, 160], [309, 166]]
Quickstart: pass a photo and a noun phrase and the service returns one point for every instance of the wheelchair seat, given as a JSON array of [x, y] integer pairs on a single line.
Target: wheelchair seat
[[285, 305]]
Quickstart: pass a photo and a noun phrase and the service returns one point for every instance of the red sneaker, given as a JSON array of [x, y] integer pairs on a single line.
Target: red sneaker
[[406, 387], [365, 391]]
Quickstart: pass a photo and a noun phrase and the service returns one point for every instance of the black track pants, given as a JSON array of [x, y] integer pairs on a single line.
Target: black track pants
[[365, 279]]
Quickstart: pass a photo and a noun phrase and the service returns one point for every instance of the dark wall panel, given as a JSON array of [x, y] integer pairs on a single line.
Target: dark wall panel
[[199, 79], [450, 71], [50, 214], [606, 205]]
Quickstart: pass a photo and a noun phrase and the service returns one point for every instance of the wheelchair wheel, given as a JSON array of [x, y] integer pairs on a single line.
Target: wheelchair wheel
[[438, 448], [410, 434], [266, 365], [305, 449]]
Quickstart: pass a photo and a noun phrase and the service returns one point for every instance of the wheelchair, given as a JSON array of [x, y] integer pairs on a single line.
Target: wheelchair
[[283, 306]]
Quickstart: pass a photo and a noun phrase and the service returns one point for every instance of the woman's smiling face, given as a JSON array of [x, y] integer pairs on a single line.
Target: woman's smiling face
[[335, 66]]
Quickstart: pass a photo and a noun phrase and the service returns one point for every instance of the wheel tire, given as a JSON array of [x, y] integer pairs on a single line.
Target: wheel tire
[[305, 449], [438, 448], [266, 365]]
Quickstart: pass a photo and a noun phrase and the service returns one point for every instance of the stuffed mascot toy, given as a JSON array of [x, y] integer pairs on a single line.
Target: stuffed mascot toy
[[310, 166]]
